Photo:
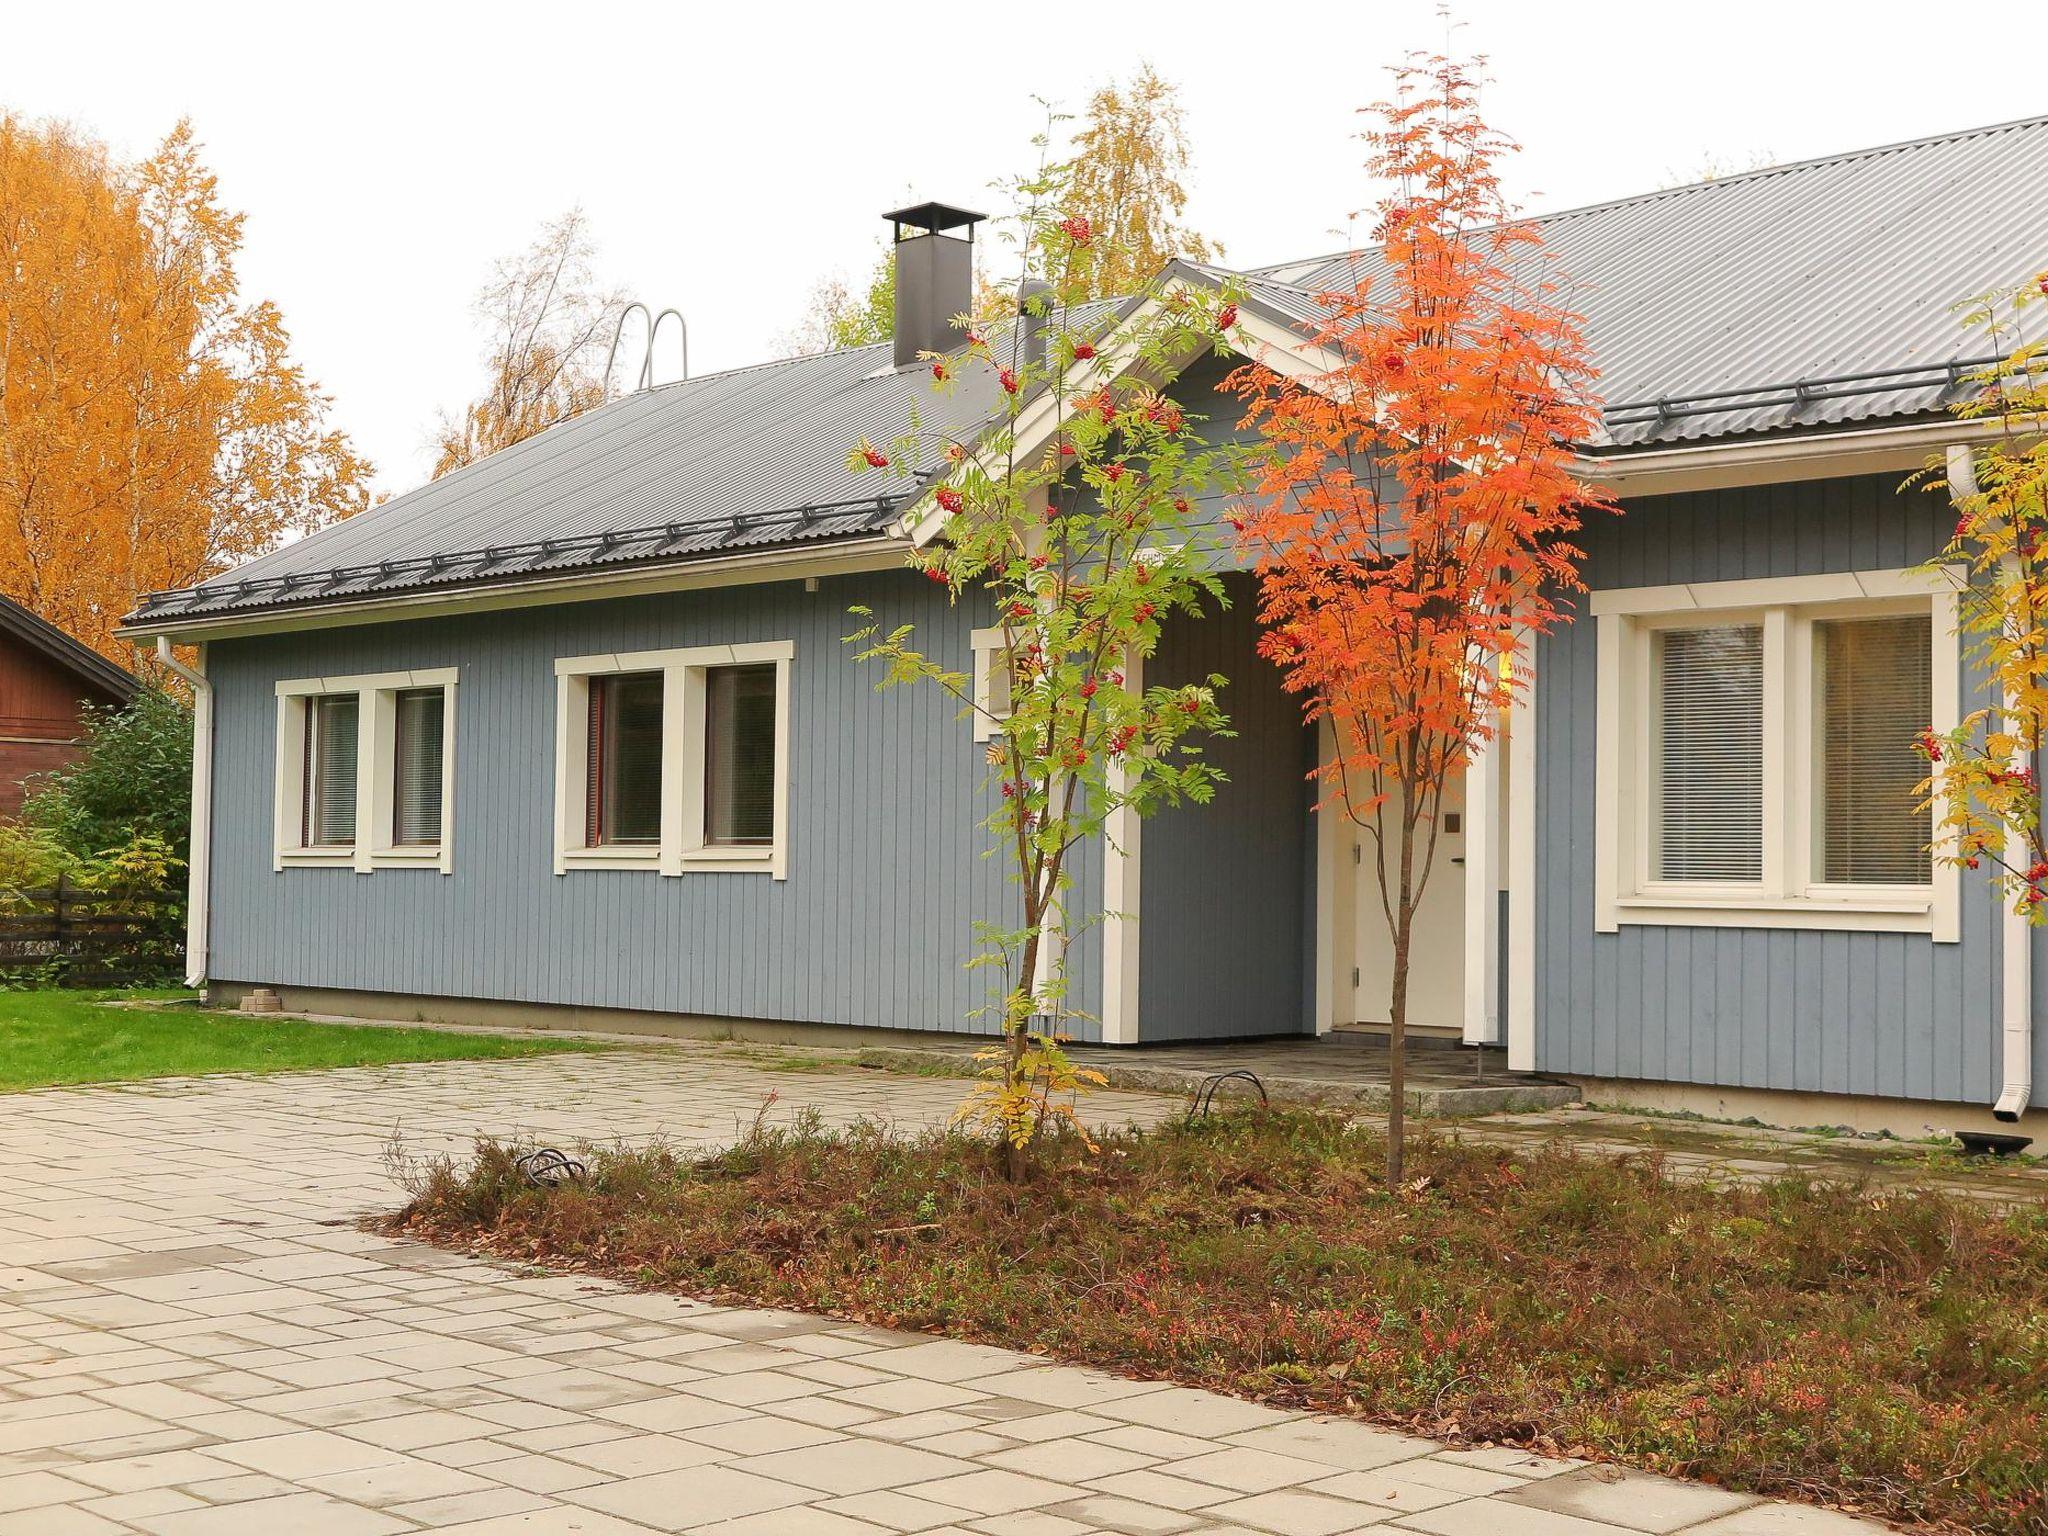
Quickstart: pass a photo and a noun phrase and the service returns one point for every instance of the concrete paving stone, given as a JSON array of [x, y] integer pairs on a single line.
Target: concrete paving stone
[[34, 1490], [803, 1521], [303, 1452], [126, 1474], [60, 1520], [1028, 1523], [994, 1492], [542, 1474], [911, 1426], [1151, 1487], [302, 1514], [901, 1395], [962, 1442], [130, 1507], [1077, 1460], [1294, 1512], [1188, 1411], [1386, 1489], [759, 1435], [1430, 1472], [1128, 1517], [1246, 1470], [700, 1496], [397, 1482], [559, 1437], [641, 1455], [467, 1508], [1490, 1517], [896, 1511], [1634, 1500], [856, 1466], [226, 1349], [1336, 1442], [676, 1411], [237, 1490], [410, 1431]]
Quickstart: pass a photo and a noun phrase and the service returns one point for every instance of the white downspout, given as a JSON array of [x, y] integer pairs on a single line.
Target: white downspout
[[202, 807], [2016, 974]]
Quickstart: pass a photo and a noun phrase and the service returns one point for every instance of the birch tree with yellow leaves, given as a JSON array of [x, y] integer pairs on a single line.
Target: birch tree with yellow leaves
[[154, 428]]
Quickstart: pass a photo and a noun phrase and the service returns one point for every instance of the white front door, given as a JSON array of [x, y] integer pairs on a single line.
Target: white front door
[[1436, 961]]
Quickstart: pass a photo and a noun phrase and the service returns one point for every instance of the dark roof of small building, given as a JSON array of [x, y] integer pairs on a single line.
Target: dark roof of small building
[[1797, 298], [38, 634]]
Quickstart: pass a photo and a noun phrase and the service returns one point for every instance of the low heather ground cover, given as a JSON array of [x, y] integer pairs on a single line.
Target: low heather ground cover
[[1880, 1351]]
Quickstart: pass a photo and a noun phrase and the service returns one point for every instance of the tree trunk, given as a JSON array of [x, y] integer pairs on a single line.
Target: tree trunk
[[1397, 1010], [1017, 1023]]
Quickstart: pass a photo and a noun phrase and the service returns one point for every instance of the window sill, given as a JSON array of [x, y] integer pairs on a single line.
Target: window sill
[[316, 858], [643, 858], [1883, 912], [410, 858], [728, 861]]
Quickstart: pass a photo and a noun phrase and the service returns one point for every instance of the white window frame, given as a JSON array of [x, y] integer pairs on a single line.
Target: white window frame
[[989, 712], [376, 770], [1789, 894], [681, 848]]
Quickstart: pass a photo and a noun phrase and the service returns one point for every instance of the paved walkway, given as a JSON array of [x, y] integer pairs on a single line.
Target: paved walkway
[[196, 1340]]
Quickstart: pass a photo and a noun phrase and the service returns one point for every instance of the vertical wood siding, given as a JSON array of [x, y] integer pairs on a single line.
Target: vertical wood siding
[[1895, 1015], [886, 875], [1226, 925]]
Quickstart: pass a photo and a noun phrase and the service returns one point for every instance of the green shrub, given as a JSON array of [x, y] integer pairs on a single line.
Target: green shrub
[[134, 780]]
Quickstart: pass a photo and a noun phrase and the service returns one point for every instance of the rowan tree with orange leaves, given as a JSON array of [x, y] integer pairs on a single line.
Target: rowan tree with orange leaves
[[153, 426], [1412, 523]]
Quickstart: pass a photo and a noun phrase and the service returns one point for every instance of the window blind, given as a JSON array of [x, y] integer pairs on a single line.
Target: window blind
[[739, 755], [1873, 693], [1708, 756], [330, 815], [625, 759], [416, 752]]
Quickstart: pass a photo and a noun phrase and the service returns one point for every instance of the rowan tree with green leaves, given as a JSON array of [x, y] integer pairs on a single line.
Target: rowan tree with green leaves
[[1080, 535], [1983, 782]]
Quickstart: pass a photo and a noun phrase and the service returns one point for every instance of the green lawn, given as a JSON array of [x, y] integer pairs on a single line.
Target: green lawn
[[54, 1037]]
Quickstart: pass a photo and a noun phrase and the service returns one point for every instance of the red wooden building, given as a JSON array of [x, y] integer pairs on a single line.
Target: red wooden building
[[45, 676]]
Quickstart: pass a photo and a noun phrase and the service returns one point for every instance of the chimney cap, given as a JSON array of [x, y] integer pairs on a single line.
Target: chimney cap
[[932, 219]]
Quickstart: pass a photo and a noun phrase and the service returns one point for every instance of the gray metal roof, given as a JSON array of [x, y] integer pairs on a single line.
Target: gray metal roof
[[1718, 301], [1794, 298]]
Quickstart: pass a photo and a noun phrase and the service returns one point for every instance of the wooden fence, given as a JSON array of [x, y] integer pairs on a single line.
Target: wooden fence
[[81, 936]]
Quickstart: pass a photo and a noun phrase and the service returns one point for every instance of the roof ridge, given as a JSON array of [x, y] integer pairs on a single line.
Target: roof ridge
[[1812, 162]]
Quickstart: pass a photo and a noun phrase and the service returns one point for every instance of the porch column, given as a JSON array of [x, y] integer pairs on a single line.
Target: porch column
[[1483, 836], [1521, 856], [1120, 934]]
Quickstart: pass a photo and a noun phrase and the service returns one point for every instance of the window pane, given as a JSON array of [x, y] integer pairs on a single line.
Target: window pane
[[1707, 759], [416, 796], [1873, 694], [331, 770], [625, 759], [739, 755]]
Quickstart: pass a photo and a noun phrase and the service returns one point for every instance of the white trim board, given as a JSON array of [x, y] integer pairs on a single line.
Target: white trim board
[[376, 768], [1789, 893], [683, 847]]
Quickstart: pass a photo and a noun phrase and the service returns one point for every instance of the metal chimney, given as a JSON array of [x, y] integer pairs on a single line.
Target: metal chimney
[[934, 276]]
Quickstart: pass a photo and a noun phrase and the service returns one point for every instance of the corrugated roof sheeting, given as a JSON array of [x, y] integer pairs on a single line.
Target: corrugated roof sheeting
[[1755, 283], [1847, 265]]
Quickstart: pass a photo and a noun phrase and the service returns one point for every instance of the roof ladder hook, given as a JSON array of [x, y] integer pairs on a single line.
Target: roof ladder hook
[[652, 321]]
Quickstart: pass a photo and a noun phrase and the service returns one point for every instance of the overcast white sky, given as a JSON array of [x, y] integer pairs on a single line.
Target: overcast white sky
[[729, 155]]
